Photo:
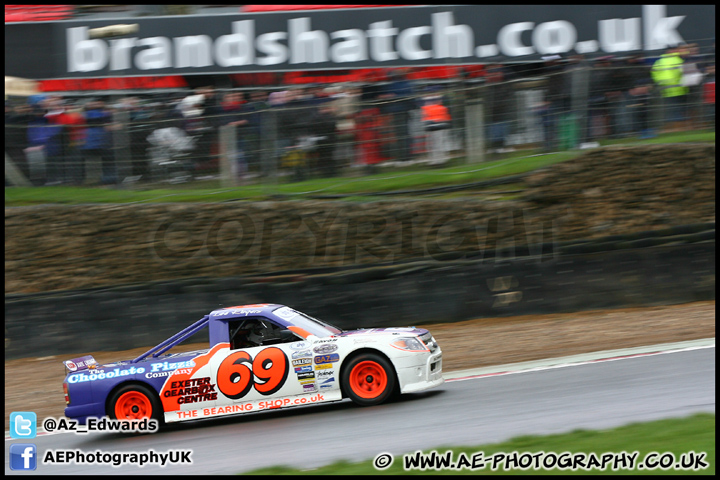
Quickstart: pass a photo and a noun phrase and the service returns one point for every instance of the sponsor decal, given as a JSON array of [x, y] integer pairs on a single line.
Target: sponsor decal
[[102, 374], [181, 371], [323, 366], [304, 376], [167, 366], [80, 363], [326, 340], [244, 407], [307, 368], [329, 380], [326, 386], [299, 345], [301, 362], [231, 311], [320, 359], [310, 387], [192, 391], [303, 354], [286, 313], [170, 404], [327, 348], [325, 374]]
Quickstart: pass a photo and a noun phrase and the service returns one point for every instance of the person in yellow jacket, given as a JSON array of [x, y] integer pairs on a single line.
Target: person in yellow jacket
[[436, 119], [667, 73]]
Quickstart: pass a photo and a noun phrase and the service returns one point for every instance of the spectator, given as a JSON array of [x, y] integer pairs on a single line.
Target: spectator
[[436, 118], [233, 115], [44, 141], [276, 101], [97, 147], [598, 104], [692, 78], [17, 120], [557, 100], [667, 73], [398, 102], [324, 125], [639, 97], [369, 138], [72, 136], [209, 138], [619, 82], [139, 128], [346, 104], [498, 98], [255, 109], [300, 109], [709, 96]]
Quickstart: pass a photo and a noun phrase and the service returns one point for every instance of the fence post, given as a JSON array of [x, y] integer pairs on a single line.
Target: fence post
[[14, 175], [121, 146], [474, 131], [228, 156], [269, 146]]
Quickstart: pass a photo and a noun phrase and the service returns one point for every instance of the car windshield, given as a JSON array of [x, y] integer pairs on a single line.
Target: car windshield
[[306, 322]]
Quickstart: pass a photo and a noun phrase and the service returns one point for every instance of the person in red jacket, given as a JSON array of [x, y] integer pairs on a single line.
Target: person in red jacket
[[69, 163], [369, 123]]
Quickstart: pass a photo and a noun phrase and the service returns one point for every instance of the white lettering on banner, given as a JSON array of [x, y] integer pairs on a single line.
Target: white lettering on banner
[[276, 52], [509, 39], [306, 46], [120, 53], [235, 50], [379, 42], [380, 34], [408, 43], [193, 51], [353, 49], [451, 41], [554, 37], [619, 35], [660, 31], [85, 55], [157, 56]]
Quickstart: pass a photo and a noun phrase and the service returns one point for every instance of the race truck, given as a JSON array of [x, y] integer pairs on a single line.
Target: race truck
[[262, 356]]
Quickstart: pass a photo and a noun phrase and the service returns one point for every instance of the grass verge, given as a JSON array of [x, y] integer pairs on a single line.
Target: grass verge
[[407, 178], [674, 436]]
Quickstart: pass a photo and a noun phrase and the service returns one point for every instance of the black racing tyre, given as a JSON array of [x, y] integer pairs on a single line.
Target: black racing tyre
[[368, 379], [135, 402]]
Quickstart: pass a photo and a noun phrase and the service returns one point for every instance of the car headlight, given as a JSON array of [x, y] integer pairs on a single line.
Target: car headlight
[[409, 344]]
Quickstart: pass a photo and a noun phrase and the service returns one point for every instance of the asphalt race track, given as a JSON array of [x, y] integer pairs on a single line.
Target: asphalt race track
[[469, 412]]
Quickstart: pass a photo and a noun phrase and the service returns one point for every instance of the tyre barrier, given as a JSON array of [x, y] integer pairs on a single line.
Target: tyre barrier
[[670, 266]]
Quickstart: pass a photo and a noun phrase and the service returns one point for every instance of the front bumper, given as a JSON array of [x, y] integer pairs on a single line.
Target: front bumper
[[422, 374]]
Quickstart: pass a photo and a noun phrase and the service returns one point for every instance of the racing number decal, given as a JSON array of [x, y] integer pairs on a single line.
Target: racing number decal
[[271, 368], [236, 372], [234, 377]]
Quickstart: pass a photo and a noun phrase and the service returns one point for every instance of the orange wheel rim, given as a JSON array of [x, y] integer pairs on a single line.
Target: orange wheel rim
[[368, 379], [133, 405]]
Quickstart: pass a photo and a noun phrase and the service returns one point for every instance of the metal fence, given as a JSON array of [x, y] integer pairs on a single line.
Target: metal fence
[[349, 130]]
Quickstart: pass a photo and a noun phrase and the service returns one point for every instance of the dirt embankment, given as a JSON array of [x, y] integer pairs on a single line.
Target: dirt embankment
[[616, 190]]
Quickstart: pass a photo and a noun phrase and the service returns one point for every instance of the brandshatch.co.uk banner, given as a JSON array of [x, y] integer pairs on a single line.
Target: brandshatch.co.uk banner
[[344, 39]]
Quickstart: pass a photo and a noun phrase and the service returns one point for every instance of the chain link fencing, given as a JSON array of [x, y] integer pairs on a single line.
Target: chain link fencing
[[233, 137]]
